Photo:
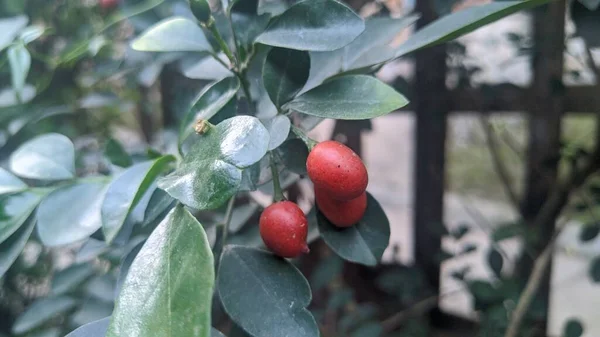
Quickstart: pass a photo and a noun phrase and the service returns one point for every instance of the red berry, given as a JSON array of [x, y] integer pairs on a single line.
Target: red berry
[[341, 213], [337, 170], [283, 228], [109, 4]]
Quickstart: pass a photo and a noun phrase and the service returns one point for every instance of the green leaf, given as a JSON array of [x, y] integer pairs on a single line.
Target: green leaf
[[279, 129], [332, 25], [91, 249], [285, 73], [11, 248], [168, 290], [362, 243], [41, 311], [94, 329], [31, 33], [254, 284], [211, 172], [453, 26], [495, 261], [591, 4], [589, 232], [117, 155], [46, 157], [125, 192], [91, 311], [595, 270], [349, 97], [173, 34], [10, 28], [507, 231], [216, 333], [573, 328], [10, 184], [208, 103], [14, 210], [70, 278], [293, 154], [160, 202], [73, 223], [379, 31], [20, 62]]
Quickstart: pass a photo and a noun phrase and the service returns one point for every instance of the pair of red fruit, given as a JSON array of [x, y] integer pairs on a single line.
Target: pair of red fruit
[[340, 179]]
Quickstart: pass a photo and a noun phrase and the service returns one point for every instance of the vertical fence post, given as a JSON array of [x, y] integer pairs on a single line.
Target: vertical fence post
[[431, 110], [547, 101]]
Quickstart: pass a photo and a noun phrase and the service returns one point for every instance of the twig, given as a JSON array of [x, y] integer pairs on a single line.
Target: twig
[[277, 192], [228, 215], [499, 167], [537, 275], [548, 212], [396, 320]]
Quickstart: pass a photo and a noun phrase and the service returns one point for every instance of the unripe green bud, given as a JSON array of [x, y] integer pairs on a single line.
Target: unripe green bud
[[201, 10]]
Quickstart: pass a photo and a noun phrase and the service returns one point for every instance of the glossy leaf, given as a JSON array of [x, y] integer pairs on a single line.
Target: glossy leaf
[[12, 247], [349, 97], [453, 26], [31, 33], [94, 329], [160, 202], [173, 34], [168, 290], [70, 278], [208, 103], [379, 31], [285, 73], [125, 192], [205, 68], [362, 243], [293, 154], [279, 129], [14, 210], [332, 25], [126, 263], [117, 155], [211, 172], [254, 285], [41, 311], [46, 157], [73, 223], [9, 183], [20, 62], [10, 28]]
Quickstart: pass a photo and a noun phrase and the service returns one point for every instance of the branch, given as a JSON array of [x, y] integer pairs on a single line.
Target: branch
[[396, 320], [554, 204], [499, 167], [537, 275]]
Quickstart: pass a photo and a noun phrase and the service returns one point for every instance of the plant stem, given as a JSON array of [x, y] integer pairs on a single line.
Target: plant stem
[[310, 143], [228, 215], [235, 39], [277, 192], [210, 25], [244, 83]]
